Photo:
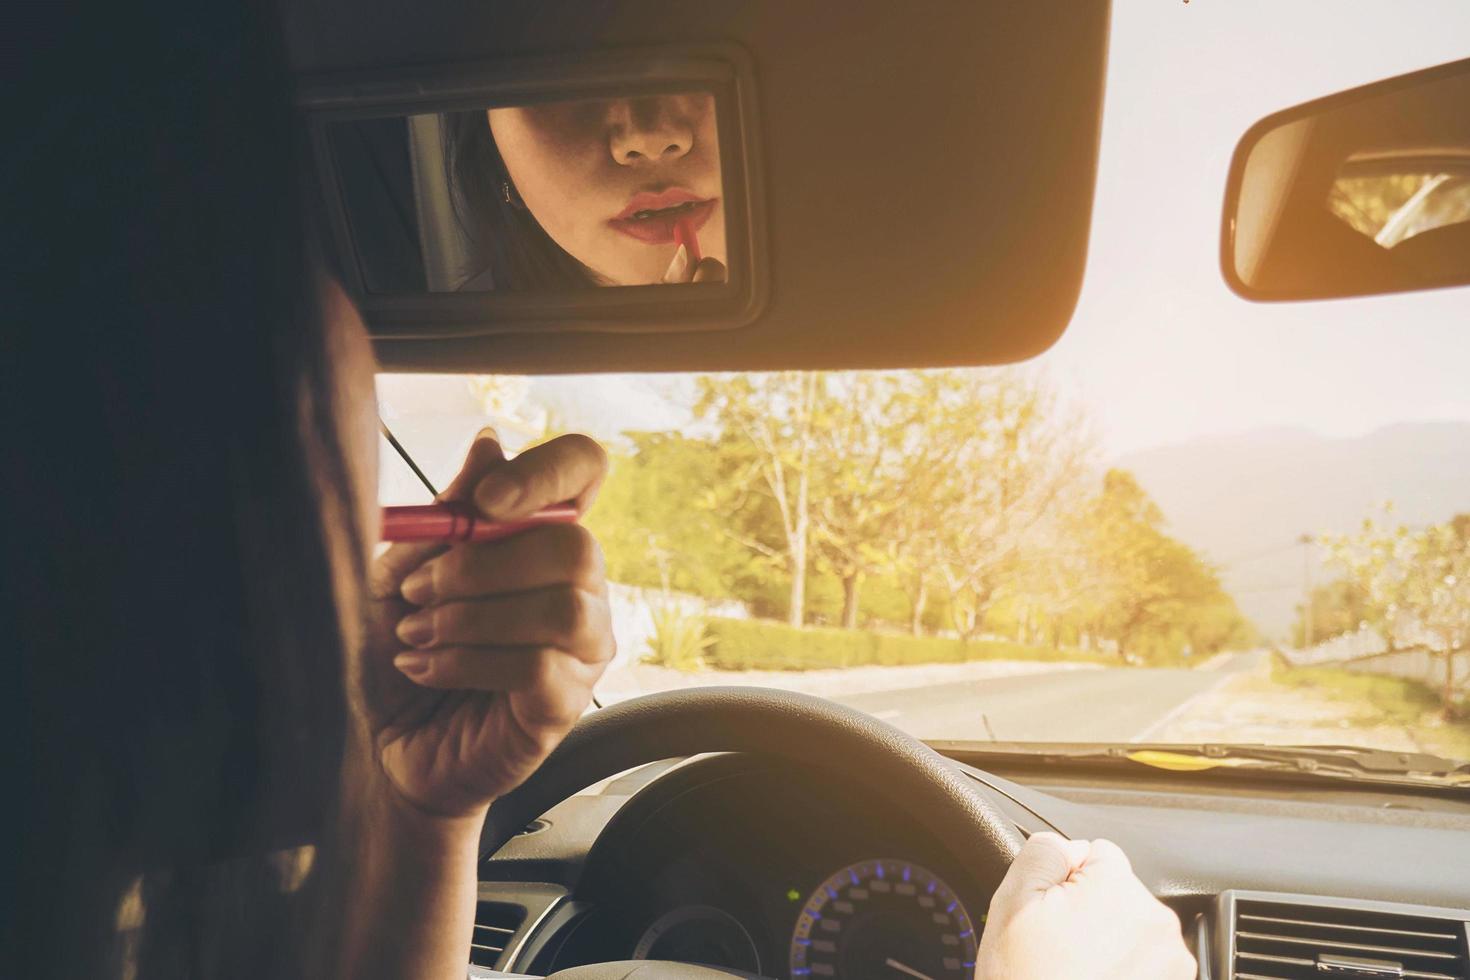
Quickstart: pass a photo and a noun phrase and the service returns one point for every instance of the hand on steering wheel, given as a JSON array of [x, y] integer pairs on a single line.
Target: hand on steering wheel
[[1074, 908]]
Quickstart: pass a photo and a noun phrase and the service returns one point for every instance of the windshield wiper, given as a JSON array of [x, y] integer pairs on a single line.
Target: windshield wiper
[[1332, 761], [1338, 760]]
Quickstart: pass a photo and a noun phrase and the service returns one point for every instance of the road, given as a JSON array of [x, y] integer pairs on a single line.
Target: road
[[1111, 705]]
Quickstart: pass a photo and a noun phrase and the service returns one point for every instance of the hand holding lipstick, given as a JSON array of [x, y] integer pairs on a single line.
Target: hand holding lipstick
[[689, 265], [683, 269], [482, 655]]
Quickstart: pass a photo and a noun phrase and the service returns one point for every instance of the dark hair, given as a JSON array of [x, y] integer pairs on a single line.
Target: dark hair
[[516, 252], [180, 542]]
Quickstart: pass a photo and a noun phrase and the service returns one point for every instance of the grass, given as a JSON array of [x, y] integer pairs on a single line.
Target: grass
[[1384, 700], [750, 644], [679, 639]]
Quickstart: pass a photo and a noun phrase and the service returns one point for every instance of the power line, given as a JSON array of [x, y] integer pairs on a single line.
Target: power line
[[1256, 555], [1293, 586]]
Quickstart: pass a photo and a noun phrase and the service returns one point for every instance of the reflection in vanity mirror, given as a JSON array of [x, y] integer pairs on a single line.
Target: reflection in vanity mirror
[[544, 197]]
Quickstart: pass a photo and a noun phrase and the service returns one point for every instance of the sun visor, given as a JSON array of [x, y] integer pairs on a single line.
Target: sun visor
[[539, 187]]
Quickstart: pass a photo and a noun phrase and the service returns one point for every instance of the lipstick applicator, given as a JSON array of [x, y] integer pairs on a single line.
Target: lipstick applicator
[[454, 521], [687, 235]]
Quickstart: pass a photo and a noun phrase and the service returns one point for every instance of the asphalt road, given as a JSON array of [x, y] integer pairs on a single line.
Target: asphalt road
[[1109, 705]]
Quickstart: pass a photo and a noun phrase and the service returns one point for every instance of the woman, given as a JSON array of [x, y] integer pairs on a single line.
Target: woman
[[243, 746], [566, 195], [209, 672]]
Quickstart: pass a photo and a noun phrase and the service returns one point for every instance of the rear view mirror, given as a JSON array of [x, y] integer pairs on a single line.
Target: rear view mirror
[[1363, 192]]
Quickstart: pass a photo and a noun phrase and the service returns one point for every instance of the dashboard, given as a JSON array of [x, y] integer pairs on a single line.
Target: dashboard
[[788, 872]]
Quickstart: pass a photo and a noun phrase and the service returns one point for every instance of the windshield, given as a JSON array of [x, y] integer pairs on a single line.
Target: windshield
[[1195, 520]]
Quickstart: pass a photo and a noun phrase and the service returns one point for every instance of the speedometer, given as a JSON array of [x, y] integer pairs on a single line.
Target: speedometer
[[884, 918]]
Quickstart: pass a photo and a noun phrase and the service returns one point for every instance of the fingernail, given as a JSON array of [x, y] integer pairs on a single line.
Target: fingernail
[[417, 629], [413, 664], [418, 588], [679, 266], [496, 493]]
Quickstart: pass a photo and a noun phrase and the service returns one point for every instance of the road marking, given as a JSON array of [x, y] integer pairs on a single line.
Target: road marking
[[1179, 709], [1217, 662]]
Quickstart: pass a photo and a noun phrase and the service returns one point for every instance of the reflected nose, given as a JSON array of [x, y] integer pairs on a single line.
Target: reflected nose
[[649, 130]]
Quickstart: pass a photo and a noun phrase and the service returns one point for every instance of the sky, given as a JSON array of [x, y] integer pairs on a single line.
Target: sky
[[1159, 350]]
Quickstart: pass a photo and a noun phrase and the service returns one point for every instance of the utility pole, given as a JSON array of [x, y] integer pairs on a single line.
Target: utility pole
[[1308, 606]]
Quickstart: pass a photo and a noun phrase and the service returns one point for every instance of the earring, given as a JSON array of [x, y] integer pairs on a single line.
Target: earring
[[509, 195]]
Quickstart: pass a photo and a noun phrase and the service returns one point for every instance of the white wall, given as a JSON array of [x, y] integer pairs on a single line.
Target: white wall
[[1366, 652]]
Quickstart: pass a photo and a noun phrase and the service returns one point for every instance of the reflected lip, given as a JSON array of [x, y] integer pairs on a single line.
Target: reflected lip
[[651, 215]]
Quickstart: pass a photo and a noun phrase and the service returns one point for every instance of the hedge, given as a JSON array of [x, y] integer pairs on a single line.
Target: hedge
[[753, 644]]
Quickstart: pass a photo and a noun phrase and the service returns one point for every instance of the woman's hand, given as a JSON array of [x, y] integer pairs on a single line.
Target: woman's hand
[[482, 656], [1074, 909], [707, 269], [479, 659]]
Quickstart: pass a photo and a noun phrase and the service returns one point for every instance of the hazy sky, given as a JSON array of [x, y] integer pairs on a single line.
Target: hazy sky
[[1159, 350]]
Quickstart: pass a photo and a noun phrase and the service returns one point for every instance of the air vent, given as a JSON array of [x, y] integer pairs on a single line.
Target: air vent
[[495, 923], [1284, 940]]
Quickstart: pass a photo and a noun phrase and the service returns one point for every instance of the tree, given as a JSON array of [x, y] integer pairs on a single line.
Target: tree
[[1441, 594], [1379, 559], [877, 465], [1149, 586], [813, 484], [1417, 584], [1367, 203], [767, 424], [1012, 460], [1337, 607], [1218, 625], [657, 519]]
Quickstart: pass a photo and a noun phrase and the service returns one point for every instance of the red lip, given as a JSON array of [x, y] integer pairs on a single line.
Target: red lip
[[669, 207]]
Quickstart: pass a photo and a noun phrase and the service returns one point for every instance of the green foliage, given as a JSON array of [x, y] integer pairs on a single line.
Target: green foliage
[[749, 644], [679, 639], [660, 527], [1154, 595], [1012, 466], [1216, 626], [1337, 607], [1387, 700], [767, 434], [1367, 203], [1416, 584], [764, 645], [912, 501], [1395, 699]]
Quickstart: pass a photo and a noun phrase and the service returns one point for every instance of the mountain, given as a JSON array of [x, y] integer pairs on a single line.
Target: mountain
[[1244, 500]]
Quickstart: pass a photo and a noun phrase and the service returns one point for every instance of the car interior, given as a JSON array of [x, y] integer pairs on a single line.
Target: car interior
[[901, 186]]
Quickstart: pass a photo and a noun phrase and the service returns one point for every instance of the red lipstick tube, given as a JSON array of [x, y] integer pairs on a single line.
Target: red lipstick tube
[[454, 521]]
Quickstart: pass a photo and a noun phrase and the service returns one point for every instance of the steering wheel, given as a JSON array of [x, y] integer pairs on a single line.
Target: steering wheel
[[793, 727]]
